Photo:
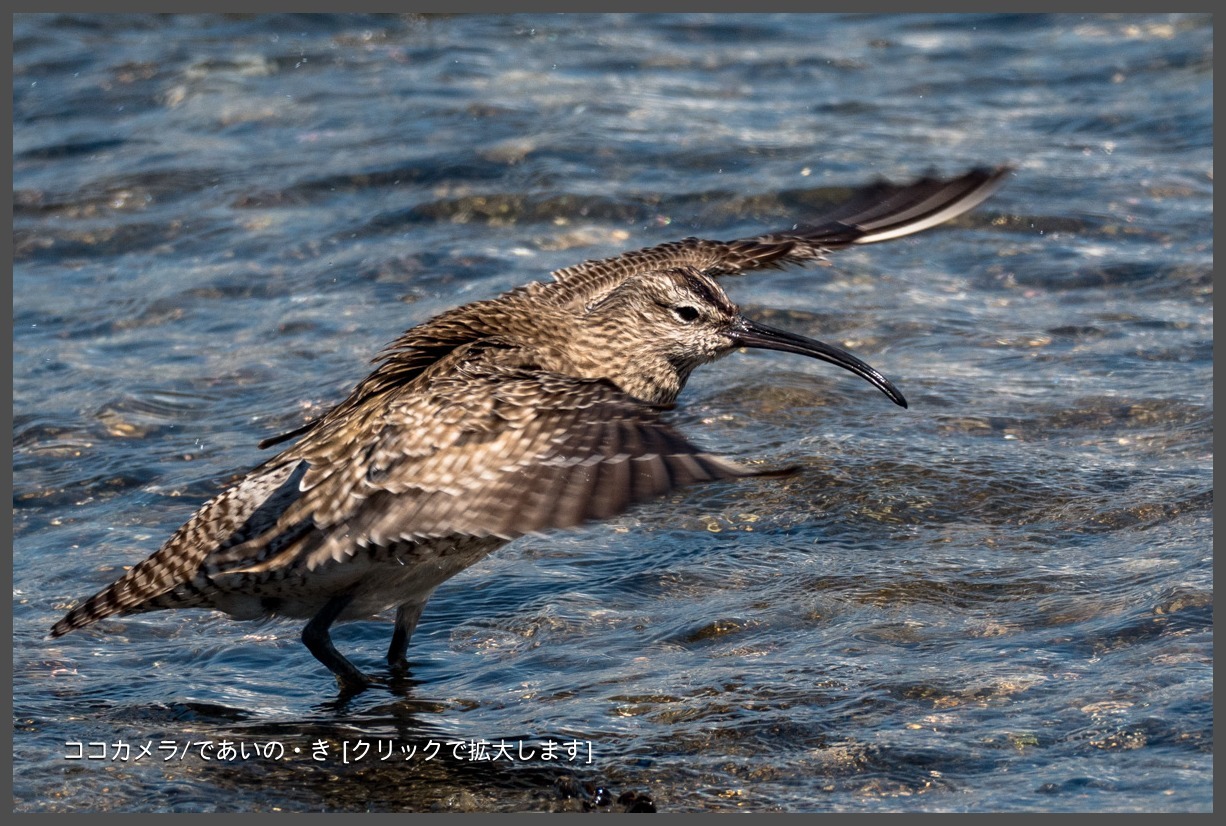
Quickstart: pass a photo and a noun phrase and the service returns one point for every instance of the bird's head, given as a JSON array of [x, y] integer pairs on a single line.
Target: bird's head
[[654, 328]]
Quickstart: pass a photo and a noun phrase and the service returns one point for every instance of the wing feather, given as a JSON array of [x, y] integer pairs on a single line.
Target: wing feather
[[550, 452], [877, 212]]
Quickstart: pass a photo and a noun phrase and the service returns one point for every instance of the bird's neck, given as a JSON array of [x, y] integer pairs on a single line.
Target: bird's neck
[[646, 375]]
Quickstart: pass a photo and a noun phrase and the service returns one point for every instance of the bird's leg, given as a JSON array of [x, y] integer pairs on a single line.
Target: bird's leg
[[317, 640], [407, 616]]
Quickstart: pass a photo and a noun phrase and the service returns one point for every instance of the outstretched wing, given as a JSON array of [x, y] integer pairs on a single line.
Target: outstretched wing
[[878, 212], [500, 454]]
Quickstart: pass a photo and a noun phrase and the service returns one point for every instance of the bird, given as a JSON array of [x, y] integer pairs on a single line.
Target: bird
[[543, 408]]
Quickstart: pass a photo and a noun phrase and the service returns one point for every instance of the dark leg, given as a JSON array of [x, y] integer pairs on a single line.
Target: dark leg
[[315, 637], [407, 616]]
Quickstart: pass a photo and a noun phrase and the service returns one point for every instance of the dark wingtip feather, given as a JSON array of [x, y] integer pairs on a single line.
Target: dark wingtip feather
[[285, 437], [776, 473]]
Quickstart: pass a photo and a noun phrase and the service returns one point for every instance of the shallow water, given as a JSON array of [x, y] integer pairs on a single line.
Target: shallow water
[[999, 599]]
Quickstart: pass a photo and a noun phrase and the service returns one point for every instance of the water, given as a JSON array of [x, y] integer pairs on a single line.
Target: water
[[1000, 599]]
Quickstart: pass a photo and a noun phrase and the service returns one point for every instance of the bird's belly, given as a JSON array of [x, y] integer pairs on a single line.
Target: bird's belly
[[375, 580]]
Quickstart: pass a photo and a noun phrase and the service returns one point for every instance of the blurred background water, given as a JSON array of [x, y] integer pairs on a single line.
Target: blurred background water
[[1000, 599]]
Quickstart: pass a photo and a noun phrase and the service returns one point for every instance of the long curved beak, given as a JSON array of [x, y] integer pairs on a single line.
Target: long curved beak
[[748, 333]]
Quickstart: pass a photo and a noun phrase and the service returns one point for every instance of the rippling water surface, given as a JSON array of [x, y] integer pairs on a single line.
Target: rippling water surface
[[999, 599]]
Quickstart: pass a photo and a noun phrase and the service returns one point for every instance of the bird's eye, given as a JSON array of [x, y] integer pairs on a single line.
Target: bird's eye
[[686, 313]]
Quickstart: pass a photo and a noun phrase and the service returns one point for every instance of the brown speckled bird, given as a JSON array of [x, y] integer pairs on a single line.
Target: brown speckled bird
[[538, 409]]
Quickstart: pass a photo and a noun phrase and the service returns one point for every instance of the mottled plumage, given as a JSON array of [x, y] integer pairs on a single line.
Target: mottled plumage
[[539, 409]]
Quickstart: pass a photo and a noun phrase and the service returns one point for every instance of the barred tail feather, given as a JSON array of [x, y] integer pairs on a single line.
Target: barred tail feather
[[164, 580], [132, 593]]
